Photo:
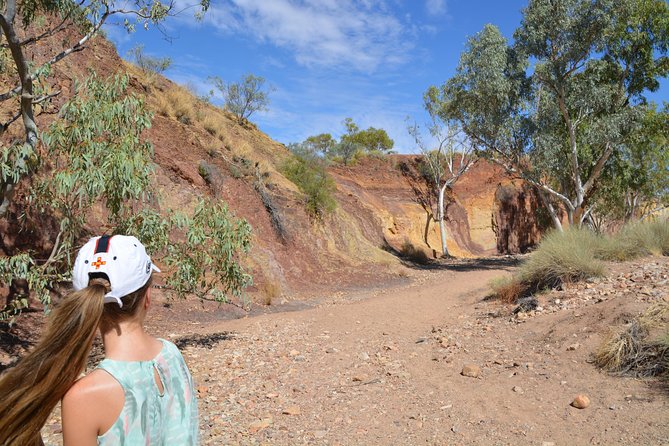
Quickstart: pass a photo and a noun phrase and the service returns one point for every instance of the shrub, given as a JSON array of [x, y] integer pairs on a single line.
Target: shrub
[[508, 289], [633, 350], [567, 256], [312, 179], [235, 172], [149, 64], [211, 125], [416, 255], [563, 257], [270, 289], [636, 240]]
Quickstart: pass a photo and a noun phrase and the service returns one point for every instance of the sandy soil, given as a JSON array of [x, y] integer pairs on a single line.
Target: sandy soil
[[384, 367]]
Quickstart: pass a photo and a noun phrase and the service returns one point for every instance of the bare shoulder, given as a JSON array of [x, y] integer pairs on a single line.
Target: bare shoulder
[[92, 387], [91, 406]]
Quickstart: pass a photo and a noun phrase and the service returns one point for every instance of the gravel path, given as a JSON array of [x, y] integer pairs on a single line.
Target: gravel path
[[386, 368]]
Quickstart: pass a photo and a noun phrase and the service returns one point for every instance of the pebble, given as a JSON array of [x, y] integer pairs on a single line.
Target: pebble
[[581, 402], [292, 410], [573, 347], [260, 425], [517, 389], [471, 370]]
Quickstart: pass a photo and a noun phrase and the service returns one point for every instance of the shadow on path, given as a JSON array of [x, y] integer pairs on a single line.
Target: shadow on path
[[463, 265]]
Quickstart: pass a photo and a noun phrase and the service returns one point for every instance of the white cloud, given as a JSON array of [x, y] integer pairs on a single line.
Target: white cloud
[[436, 7], [363, 35]]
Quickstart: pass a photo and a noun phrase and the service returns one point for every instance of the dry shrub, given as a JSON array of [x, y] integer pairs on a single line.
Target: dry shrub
[[561, 257], [183, 105], [634, 349], [163, 106], [212, 147], [636, 240], [508, 289], [212, 124], [413, 254], [271, 289]]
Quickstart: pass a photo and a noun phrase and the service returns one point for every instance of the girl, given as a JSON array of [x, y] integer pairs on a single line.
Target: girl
[[140, 394]]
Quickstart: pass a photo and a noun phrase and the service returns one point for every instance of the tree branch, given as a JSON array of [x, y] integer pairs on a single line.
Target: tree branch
[[76, 47]]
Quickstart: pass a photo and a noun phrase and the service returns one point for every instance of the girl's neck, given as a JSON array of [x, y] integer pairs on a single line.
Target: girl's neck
[[129, 342]]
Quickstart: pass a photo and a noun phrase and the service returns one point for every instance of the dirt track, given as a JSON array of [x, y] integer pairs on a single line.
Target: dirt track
[[384, 369]]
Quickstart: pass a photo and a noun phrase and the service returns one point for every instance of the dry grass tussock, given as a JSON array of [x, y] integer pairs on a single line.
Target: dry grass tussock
[[640, 348], [270, 290], [413, 254], [579, 254], [636, 240]]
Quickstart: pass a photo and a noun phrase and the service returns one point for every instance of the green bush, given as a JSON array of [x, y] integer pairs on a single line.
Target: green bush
[[310, 176], [636, 240], [567, 256], [578, 254]]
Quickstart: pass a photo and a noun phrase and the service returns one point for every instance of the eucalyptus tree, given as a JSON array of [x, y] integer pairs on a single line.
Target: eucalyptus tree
[[244, 98], [555, 105], [93, 152], [635, 183], [448, 158], [88, 16]]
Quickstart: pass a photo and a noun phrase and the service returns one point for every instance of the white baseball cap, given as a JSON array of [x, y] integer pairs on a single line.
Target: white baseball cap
[[122, 258]]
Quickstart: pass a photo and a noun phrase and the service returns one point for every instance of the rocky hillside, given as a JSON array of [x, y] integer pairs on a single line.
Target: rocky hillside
[[202, 150]]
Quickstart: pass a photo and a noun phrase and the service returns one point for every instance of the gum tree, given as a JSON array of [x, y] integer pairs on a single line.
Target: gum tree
[[88, 16], [94, 153], [553, 107], [244, 98], [448, 158]]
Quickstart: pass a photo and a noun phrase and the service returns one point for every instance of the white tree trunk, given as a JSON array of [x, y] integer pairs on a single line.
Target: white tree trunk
[[442, 224]]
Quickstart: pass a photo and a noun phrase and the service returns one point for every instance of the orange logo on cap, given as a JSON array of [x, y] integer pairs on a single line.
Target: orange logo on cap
[[98, 263]]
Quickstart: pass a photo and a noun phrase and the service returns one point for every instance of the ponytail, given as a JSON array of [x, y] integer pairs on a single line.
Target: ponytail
[[30, 391]]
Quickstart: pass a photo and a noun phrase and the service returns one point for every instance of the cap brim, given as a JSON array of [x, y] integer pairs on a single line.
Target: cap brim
[[155, 268]]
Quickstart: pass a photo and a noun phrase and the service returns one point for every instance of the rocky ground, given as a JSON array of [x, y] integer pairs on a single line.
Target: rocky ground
[[428, 363]]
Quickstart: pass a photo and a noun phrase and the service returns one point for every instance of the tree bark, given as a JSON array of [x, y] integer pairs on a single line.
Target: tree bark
[[442, 225]]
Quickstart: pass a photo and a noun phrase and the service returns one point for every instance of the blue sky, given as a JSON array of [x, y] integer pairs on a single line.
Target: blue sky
[[370, 60]]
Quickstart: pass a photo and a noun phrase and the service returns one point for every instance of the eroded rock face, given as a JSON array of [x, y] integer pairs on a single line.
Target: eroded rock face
[[516, 220]]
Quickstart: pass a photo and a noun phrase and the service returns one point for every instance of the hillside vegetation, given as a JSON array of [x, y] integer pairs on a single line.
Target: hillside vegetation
[[379, 207]]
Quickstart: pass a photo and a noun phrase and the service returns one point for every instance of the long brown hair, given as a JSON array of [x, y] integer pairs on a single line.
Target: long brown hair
[[30, 390]]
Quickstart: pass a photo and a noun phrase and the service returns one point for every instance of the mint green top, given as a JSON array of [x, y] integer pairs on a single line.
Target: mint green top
[[149, 417]]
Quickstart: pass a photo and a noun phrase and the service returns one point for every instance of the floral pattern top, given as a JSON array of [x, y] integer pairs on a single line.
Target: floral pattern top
[[149, 417]]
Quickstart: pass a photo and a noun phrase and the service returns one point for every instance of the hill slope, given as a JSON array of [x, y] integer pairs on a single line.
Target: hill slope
[[202, 150]]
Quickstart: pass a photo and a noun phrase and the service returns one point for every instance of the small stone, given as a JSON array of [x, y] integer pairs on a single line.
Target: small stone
[[612, 407], [581, 402], [294, 353], [455, 429], [517, 389], [292, 410], [471, 370], [331, 350], [573, 347], [260, 425], [547, 443]]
